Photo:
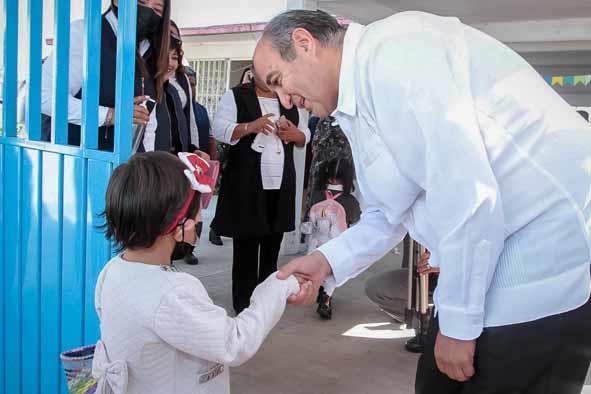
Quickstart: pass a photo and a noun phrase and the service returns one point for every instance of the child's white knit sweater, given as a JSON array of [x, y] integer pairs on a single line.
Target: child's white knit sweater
[[161, 333]]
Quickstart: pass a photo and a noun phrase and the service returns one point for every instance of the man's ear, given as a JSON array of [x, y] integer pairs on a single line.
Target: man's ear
[[303, 41]]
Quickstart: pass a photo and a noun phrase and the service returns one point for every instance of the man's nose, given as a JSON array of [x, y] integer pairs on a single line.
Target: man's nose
[[285, 99]]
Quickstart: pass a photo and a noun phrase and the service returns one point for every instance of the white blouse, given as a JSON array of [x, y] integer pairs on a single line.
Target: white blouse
[[161, 333]]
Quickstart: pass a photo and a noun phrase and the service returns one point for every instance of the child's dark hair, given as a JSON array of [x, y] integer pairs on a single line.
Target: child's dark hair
[[341, 169], [144, 197]]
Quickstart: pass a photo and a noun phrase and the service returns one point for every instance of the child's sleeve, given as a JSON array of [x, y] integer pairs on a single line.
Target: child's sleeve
[[98, 291], [188, 320]]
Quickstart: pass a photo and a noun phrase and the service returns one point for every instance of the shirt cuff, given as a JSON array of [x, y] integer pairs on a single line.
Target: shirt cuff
[[335, 256], [102, 115], [293, 286], [229, 131], [458, 323]]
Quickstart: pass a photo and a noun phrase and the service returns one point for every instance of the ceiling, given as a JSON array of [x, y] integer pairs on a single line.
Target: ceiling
[[470, 11]]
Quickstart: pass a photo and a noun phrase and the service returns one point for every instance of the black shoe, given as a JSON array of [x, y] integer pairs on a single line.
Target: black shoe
[[321, 295], [215, 239], [325, 307], [191, 260], [414, 345]]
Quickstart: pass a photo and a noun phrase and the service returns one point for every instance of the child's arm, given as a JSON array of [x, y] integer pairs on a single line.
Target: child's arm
[[188, 320]]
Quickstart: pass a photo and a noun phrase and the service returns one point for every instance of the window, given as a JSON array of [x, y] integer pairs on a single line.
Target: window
[[212, 82]]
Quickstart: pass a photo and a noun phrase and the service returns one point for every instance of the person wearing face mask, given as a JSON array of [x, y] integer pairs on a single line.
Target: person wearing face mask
[[184, 128], [160, 331], [179, 99], [153, 34], [256, 202]]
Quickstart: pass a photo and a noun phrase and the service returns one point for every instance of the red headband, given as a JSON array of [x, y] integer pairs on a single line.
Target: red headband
[[182, 213]]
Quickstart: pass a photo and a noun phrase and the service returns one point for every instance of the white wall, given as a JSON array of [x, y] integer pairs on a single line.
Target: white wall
[[193, 13], [229, 46]]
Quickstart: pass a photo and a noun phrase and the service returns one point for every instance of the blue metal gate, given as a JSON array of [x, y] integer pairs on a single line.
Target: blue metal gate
[[51, 196]]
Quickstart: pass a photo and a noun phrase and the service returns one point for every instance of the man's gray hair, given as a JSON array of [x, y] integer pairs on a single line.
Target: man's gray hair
[[322, 26]]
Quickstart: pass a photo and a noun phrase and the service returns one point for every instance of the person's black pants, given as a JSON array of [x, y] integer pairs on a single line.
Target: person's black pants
[[254, 260], [546, 356]]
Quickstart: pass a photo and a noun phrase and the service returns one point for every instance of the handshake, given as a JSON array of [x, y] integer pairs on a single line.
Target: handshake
[[311, 271]]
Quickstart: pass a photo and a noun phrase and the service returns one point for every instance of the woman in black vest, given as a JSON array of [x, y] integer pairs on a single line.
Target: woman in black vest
[[179, 99], [153, 34], [257, 195]]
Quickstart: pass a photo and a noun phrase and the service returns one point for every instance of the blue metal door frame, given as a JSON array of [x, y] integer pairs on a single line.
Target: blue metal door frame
[[51, 250]]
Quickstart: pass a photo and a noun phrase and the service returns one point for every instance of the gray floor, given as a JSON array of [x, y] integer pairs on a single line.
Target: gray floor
[[359, 351]]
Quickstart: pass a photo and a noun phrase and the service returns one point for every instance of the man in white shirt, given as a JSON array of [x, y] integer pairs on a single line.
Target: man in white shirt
[[457, 140]]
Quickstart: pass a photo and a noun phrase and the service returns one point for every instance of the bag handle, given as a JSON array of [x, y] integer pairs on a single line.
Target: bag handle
[[329, 196]]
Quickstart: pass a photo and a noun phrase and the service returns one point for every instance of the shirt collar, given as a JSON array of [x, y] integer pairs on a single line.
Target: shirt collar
[[347, 103], [112, 19]]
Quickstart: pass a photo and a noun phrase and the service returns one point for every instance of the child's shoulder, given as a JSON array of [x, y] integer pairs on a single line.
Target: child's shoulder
[[179, 281], [178, 278], [164, 277]]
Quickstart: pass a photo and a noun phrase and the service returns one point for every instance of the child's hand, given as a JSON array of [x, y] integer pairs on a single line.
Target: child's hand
[[288, 287]]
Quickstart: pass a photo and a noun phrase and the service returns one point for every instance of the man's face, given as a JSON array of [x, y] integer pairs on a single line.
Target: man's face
[[305, 82], [259, 83]]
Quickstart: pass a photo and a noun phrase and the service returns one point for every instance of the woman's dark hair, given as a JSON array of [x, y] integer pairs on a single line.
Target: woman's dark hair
[[192, 76], [180, 71], [160, 42], [247, 69], [144, 197], [341, 169]]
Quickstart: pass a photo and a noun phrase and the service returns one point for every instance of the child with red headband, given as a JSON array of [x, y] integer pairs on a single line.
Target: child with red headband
[[160, 331]]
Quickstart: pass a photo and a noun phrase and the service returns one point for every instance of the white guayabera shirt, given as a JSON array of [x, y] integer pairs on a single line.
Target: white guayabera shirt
[[459, 141]]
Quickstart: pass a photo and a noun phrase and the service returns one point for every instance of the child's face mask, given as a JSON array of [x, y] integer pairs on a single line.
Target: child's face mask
[[190, 239]]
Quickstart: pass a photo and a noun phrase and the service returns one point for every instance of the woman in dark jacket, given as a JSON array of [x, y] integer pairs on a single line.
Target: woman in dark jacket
[[256, 204], [153, 34], [179, 99]]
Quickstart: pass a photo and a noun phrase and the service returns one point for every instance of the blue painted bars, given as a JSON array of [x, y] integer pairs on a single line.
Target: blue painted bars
[[51, 197], [33, 118], [126, 49]]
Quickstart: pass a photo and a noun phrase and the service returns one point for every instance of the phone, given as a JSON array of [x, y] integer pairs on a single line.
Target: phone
[[150, 104]]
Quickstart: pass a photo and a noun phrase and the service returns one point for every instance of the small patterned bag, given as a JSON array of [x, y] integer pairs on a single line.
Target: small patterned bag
[[78, 368]]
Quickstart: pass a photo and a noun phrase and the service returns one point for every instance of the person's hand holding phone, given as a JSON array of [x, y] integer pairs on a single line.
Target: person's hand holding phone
[[141, 115]]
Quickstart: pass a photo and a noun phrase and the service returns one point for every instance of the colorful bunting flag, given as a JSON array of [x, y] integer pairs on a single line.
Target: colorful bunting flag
[[579, 79], [557, 80], [568, 80]]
